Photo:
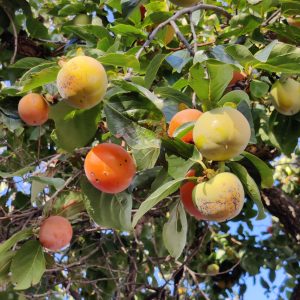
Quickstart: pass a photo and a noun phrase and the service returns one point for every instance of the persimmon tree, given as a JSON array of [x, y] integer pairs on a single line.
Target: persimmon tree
[[109, 188]]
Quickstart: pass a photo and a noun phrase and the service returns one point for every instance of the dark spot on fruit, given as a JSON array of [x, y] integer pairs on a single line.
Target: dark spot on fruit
[[97, 180], [125, 160]]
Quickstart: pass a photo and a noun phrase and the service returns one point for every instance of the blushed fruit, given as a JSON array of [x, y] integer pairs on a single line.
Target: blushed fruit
[[182, 117], [33, 109], [185, 3], [109, 168], [286, 96], [294, 21], [55, 233], [213, 269], [237, 76], [221, 133], [221, 198], [82, 19], [186, 191], [82, 82]]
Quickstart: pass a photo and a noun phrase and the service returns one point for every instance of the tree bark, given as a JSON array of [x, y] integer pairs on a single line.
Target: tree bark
[[285, 209], [296, 292]]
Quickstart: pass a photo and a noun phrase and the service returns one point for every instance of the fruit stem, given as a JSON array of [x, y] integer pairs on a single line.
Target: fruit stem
[[221, 166], [202, 164]]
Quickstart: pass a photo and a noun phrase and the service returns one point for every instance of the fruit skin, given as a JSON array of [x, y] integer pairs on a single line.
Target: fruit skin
[[221, 198], [185, 3], [186, 191], [33, 109], [55, 233], [82, 82], [286, 96], [237, 76], [109, 168], [82, 19], [213, 269], [221, 133], [294, 21], [184, 116]]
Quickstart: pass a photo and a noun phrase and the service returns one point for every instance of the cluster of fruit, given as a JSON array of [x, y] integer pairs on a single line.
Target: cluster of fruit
[[219, 135]]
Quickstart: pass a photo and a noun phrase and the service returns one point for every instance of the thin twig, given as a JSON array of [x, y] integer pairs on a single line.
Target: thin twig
[[176, 16], [193, 33], [13, 25], [182, 38]]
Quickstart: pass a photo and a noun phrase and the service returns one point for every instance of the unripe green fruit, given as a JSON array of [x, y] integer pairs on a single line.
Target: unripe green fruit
[[219, 199], [185, 3], [286, 96], [82, 20], [221, 134], [213, 269]]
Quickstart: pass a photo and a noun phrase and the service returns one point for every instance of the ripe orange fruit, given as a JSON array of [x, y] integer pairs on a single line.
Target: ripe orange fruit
[[109, 168], [186, 191], [55, 233], [33, 109], [237, 76], [182, 117]]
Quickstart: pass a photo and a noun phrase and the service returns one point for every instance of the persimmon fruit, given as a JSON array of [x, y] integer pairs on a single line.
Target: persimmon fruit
[[33, 109], [109, 168], [221, 134], [221, 198], [182, 117], [82, 19], [186, 191], [82, 82], [237, 76], [286, 96], [55, 233]]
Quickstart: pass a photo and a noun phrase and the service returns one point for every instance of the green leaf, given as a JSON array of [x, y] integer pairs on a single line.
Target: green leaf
[[244, 108], [128, 31], [266, 173], [283, 58], [121, 60], [41, 78], [90, 33], [179, 59], [210, 86], [171, 94], [17, 237], [139, 122], [108, 210], [175, 231], [258, 88], [241, 54], [29, 62], [28, 265], [250, 187], [57, 183], [71, 9], [129, 5], [74, 128], [178, 147], [20, 172], [157, 196], [178, 166], [235, 97], [153, 68], [183, 129], [5, 262], [36, 28], [36, 188]]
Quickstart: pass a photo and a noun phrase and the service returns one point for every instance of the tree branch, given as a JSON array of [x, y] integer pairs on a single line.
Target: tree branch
[[285, 209]]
